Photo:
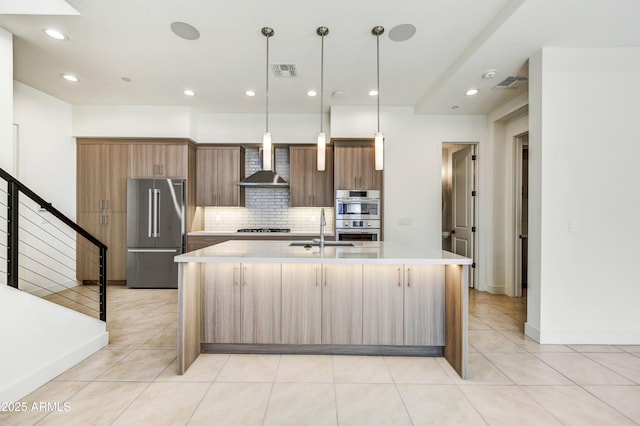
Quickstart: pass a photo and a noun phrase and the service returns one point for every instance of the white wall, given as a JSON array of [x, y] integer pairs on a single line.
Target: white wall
[[6, 101], [583, 163], [413, 163], [46, 149]]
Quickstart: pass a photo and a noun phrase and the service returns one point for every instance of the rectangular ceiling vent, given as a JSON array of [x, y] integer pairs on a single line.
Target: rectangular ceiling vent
[[284, 70], [510, 82]]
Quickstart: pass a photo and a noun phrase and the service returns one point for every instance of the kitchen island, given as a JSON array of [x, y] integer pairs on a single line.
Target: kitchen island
[[369, 298]]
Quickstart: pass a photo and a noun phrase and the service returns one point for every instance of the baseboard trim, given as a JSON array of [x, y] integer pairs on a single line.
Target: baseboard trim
[[496, 289], [532, 332], [431, 351]]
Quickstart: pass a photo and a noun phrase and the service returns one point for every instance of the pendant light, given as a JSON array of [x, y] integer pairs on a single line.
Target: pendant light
[[266, 138], [379, 137], [322, 137]]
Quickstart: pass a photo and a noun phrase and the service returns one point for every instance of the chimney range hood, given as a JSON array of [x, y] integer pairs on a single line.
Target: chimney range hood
[[265, 178]]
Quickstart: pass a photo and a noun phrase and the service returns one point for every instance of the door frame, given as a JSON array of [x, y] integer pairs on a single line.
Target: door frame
[[475, 236], [520, 143]]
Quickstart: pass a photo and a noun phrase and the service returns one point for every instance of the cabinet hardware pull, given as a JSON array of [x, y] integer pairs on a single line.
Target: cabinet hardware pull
[[244, 275], [325, 276], [235, 281], [399, 277], [106, 220], [408, 277], [316, 276]]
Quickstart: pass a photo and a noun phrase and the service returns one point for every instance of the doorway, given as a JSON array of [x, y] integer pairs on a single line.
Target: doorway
[[521, 221], [459, 202]]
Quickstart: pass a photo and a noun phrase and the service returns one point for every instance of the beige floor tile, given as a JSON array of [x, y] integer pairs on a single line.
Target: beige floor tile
[[492, 341], [582, 370], [95, 365], [249, 368], [97, 404], [164, 339], [508, 406], [233, 404], [623, 363], [438, 405], [531, 345], [500, 321], [301, 404], [140, 365], [164, 404], [124, 318], [28, 414], [130, 338], [476, 323], [305, 368], [204, 369], [479, 371], [370, 404], [525, 369], [595, 348], [629, 348], [625, 399], [416, 370], [360, 369], [573, 405], [156, 320]]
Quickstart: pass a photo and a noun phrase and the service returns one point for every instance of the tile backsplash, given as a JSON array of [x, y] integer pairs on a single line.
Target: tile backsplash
[[267, 207]]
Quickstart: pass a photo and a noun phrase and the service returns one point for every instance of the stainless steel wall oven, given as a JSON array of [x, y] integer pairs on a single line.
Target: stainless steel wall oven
[[358, 215]]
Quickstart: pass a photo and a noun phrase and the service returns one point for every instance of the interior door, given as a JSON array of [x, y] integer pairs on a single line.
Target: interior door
[[462, 233]]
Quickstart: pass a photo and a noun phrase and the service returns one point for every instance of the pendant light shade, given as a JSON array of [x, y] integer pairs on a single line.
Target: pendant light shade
[[379, 137], [266, 138], [322, 137]]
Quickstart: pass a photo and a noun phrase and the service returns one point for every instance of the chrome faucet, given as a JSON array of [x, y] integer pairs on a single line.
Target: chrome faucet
[[323, 223]]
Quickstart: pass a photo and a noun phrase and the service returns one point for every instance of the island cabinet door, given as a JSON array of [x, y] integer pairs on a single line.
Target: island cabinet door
[[221, 316], [301, 302], [382, 300], [261, 303], [342, 304], [424, 305]]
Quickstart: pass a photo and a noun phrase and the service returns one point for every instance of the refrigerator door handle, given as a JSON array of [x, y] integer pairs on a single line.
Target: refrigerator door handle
[[156, 211], [145, 250], [150, 213]]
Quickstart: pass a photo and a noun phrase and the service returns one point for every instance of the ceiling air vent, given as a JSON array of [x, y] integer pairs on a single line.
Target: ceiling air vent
[[284, 70], [510, 82]]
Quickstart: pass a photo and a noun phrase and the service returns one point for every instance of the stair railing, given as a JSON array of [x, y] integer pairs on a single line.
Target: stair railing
[[14, 187]]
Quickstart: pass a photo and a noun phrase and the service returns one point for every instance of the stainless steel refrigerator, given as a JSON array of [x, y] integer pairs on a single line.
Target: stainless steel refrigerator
[[155, 231]]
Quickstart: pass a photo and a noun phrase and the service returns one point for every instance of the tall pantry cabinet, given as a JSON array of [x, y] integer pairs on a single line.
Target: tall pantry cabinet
[[103, 167]]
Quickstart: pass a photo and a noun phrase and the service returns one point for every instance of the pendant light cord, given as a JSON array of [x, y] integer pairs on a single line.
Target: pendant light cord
[[378, 75], [267, 86], [321, 80]]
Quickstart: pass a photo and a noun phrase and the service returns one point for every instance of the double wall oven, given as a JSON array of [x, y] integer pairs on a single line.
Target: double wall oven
[[357, 215]]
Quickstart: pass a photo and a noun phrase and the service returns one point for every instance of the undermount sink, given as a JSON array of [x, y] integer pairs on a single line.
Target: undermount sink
[[317, 243]]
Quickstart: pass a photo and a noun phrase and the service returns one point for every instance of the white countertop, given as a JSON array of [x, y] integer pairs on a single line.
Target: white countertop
[[255, 234], [382, 252]]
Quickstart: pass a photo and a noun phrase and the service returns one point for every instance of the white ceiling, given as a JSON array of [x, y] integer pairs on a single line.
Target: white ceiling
[[455, 42]]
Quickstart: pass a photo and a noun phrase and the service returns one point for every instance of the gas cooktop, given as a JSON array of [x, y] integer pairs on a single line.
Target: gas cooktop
[[264, 230]]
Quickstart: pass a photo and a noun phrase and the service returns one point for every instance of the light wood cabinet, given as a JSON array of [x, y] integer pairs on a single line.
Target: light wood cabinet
[[404, 305], [222, 303], [260, 303], [301, 304], [382, 299], [159, 160], [308, 186], [219, 169], [101, 194], [424, 301], [354, 166], [342, 304]]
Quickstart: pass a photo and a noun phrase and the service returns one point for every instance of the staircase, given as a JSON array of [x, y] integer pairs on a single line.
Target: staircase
[[49, 321]]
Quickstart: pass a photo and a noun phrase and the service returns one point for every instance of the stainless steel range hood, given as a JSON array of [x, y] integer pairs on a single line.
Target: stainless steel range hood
[[265, 178]]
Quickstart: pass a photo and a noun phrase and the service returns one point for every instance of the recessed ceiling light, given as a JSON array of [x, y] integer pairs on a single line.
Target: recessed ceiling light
[[189, 92], [185, 31], [455, 107], [250, 93], [312, 93], [472, 92], [489, 74], [402, 32], [55, 34], [70, 77], [126, 79], [373, 93]]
